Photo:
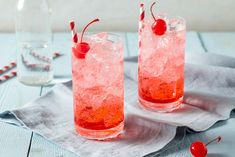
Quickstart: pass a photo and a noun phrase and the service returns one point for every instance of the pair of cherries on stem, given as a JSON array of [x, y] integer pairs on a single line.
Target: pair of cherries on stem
[[198, 148], [81, 48], [159, 26]]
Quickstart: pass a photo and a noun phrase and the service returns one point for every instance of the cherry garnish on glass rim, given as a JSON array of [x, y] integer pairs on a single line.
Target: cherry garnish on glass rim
[[159, 26], [82, 47], [198, 148]]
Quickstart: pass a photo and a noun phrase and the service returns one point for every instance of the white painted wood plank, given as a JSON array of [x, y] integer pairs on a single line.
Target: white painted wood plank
[[12, 93], [193, 43], [62, 65], [132, 43], [226, 129], [225, 148], [14, 141], [220, 43], [41, 147], [15, 95], [7, 48]]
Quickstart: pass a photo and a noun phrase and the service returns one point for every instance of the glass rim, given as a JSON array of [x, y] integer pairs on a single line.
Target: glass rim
[[113, 37], [181, 22], [178, 18]]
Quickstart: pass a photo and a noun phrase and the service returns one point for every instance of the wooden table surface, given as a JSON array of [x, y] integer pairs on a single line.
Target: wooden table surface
[[18, 142]]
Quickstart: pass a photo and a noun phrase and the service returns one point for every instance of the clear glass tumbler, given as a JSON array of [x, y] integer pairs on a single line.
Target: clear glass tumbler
[[98, 87], [161, 65]]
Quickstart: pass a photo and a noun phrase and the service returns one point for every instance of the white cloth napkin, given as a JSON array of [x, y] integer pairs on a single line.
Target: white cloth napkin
[[209, 97]]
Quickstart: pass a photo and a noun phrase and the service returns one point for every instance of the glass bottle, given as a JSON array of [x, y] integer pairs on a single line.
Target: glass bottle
[[34, 42]]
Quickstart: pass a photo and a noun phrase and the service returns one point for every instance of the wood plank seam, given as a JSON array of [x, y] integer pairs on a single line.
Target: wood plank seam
[[41, 88], [30, 143], [202, 42]]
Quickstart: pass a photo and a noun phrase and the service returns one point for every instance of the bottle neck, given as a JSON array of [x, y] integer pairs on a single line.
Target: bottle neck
[[32, 5], [33, 16]]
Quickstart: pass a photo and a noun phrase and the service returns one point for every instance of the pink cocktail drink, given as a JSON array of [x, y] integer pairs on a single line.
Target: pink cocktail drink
[[161, 65], [98, 87]]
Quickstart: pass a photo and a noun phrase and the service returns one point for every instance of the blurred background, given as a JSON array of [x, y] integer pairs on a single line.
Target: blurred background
[[122, 15]]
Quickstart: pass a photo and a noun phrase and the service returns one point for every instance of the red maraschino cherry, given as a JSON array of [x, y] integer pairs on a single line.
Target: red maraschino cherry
[[159, 26], [198, 148], [83, 47]]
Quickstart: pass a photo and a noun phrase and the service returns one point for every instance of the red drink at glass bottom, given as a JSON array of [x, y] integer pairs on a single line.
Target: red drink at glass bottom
[[161, 67], [98, 88]]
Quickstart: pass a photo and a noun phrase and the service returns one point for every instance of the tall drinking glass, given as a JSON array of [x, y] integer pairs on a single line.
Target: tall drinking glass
[[161, 65], [98, 87]]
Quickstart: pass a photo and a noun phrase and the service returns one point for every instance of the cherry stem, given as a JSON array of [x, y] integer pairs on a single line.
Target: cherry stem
[[218, 139], [151, 9], [83, 31]]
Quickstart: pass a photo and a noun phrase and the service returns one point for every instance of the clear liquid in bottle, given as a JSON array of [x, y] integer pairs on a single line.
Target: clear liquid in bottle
[[34, 42]]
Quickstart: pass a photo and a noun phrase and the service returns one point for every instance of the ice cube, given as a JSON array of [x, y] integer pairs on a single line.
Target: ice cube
[[176, 24], [154, 65], [94, 96]]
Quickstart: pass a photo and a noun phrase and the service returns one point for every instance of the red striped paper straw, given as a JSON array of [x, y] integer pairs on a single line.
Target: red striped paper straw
[[8, 67], [33, 66], [73, 32], [7, 76], [44, 58], [13, 63], [12, 74], [75, 38], [141, 21], [72, 27]]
